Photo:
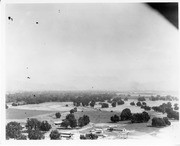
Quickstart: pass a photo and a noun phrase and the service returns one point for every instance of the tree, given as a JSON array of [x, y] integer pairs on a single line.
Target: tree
[[7, 106], [138, 103], [72, 111], [120, 102], [172, 114], [144, 103], [166, 120], [126, 99], [72, 120], [54, 135], [13, 130], [65, 123], [113, 104], [132, 103], [140, 117], [22, 137], [141, 99], [45, 126], [104, 105], [33, 124], [58, 115], [35, 134], [115, 118], [176, 107], [158, 122], [126, 114], [92, 103], [82, 121]]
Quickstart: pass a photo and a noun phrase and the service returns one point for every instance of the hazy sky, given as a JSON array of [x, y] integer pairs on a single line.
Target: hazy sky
[[89, 46]]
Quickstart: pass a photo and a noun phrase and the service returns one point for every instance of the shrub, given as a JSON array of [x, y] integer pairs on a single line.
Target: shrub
[[158, 122], [113, 104], [33, 124], [54, 135], [132, 103], [138, 103], [35, 134], [7, 106], [13, 130], [126, 114], [45, 126], [115, 118], [58, 115], [105, 105]]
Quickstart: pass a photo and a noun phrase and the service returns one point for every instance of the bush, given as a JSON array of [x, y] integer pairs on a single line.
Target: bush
[[113, 104], [35, 134], [45, 126], [138, 103], [115, 118], [7, 106], [126, 114], [58, 115], [82, 121], [132, 103], [158, 122], [33, 124], [13, 130], [54, 135], [140, 117], [105, 105]]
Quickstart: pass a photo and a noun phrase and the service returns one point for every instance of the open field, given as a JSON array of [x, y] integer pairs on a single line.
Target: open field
[[99, 118]]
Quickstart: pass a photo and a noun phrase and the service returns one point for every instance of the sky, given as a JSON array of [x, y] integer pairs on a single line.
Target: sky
[[90, 47]]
